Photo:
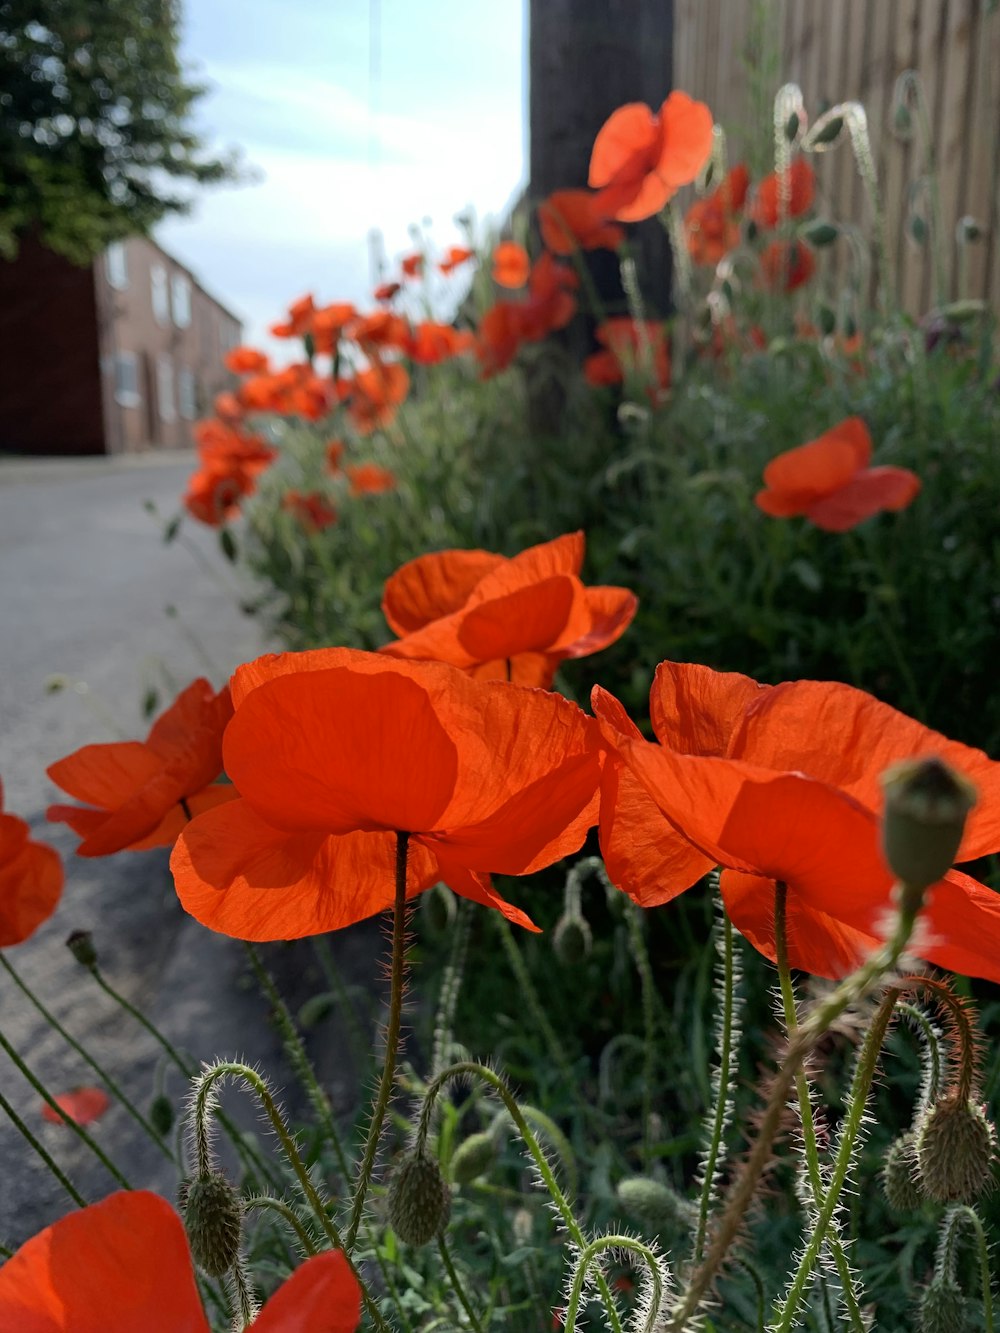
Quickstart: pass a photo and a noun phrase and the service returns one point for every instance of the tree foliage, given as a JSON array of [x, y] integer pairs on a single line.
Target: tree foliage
[[96, 128]]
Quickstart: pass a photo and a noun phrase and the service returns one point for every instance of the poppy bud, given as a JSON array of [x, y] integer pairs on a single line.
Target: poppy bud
[[825, 132], [437, 909], [900, 1176], [419, 1199], [942, 1308], [792, 127], [902, 121], [968, 229], [956, 1145], [572, 939], [652, 1201], [820, 233], [213, 1217], [81, 946], [826, 319], [161, 1115], [473, 1157], [926, 806]]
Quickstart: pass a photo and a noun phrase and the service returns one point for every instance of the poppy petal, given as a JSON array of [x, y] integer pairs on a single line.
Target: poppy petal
[[31, 885], [175, 820], [864, 496], [611, 612], [106, 775], [239, 876], [696, 710], [321, 1296], [959, 927], [115, 1267], [813, 470], [630, 130], [82, 1105], [13, 836], [542, 615], [478, 888], [687, 139]]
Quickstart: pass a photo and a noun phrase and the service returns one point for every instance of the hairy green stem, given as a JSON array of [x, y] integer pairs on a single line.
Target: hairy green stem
[[267, 1201], [653, 1262], [721, 1115], [43, 1153], [456, 1282]]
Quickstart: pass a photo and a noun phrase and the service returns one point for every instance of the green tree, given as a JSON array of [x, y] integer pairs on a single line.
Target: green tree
[[96, 127]]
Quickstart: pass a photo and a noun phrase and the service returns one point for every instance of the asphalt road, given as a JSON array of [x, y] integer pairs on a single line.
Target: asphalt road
[[85, 587]]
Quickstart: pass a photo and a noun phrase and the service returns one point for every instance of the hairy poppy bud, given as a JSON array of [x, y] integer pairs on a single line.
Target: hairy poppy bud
[[419, 1199], [161, 1115], [900, 1176], [81, 946], [956, 1144], [820, 233], [213, 1217], [572, 938], [473, 1157], [652, 1201], [926, 806], [942, 1308]]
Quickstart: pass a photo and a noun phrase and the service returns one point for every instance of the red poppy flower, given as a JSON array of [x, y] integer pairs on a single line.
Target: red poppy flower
[[299, 321], [455, 256], [385, 291], [370, 479], [223, 447], [214, 493], [629, 348], [432, 343], [799, 186], [329, 324], [336, 751], [550, 304], [574, 220], [412, 265], [334, 453], [496, 618], [829, 481], [31, 880], [84, 1105], [787, 264], [246, 360], [377, 394], [640, 157], [501, 332], [123, 1265], [511, 264], [711, 225], [381, 329], [782, 783], [142, 793], [313, 511]]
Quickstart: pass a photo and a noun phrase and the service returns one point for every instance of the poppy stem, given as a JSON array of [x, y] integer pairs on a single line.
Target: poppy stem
[[456, 1283], [391, 1041], [44, 1154]]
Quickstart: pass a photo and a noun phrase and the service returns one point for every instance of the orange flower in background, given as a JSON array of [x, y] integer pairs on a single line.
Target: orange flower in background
[[313, 511], [574, 220], [385, 291], [299, 321], [246, 360], [629, 348], [328, 326], [228, 407], [123, 1265], [214, 493], [501, 332], [829, 481], [412, 265], [550, 304], [497, 618], [377, 394], [782, 783], [31, 880], [711, 225], [432, 343], [455, 256], [370, 479], [335, 752], [641, 158], [334, 454], [511, 264], [224, 447], [787, 264], [799, 183], [82, 1105], [381, 329], [140, 794]]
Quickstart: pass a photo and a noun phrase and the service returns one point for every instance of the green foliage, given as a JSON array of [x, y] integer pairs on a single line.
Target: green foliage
[[95, 122]]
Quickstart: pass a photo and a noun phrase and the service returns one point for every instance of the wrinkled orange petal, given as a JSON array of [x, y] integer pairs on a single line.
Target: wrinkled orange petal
[[544, 615], [31, 883], [687, 139], [432, 586], [321, 1296], [696, 710], [823, 465], [611, 611], [478, 888], [106, 775], [630, 131], [119, 1266], [865, 495]]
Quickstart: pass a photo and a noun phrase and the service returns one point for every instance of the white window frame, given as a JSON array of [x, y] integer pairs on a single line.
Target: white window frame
[[125, 396], [187, 394], [165, 403], [180, 300], [159, 292], [116, 266]]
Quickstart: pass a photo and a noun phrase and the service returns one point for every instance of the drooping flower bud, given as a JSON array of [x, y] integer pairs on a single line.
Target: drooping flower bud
[[572, 938], [438, 909], [942, 1308], [473, 1157], [161, 1115], [956, 1146], [81, 946], [213, 1218], [419, 1199], [900, 1175], [926, 806]]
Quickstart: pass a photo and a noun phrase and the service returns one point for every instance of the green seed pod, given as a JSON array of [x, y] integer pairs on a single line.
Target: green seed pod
[[419, 1199], [956, 1146], [792, 127], [900, 1176], [655, 1203], [213, 1218], [942, 1309], [820, 233], [161, 1115], [926, 806], [81, 946], [828, 134], [473, 1157], [572, 939]]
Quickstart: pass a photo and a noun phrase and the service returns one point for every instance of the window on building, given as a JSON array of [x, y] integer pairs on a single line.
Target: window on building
[[116, 265], [127, 380], [181, 294], [165, 389], [187, 394], [160, 294]]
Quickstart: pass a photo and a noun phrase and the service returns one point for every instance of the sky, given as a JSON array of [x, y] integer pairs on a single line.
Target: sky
[[351, 115]]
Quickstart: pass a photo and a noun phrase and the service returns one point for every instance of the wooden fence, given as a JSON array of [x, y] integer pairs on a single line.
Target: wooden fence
[[734, 54]]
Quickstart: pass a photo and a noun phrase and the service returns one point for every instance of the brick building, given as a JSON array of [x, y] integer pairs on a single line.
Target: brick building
[[120, 356]]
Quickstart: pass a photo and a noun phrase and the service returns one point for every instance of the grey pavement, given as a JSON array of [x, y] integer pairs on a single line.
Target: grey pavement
[[85, 583]]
